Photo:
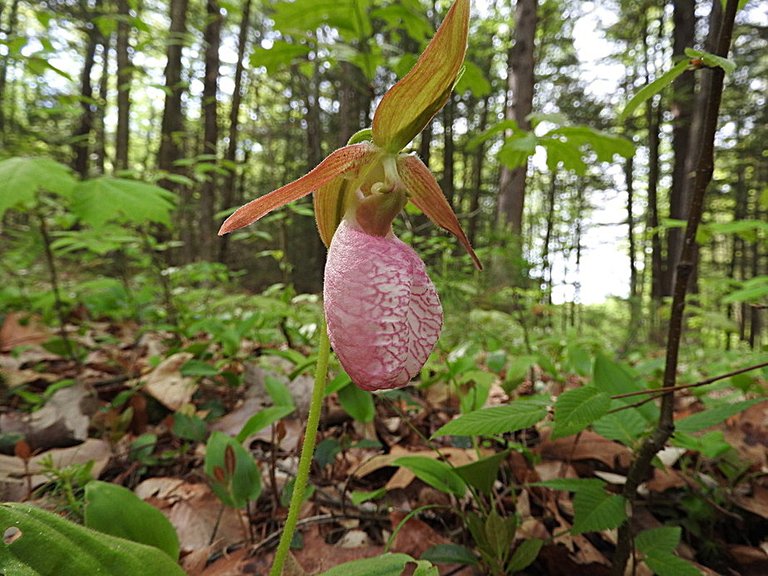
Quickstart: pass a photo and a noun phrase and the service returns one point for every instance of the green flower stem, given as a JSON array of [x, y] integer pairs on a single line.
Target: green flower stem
[[307, 450]]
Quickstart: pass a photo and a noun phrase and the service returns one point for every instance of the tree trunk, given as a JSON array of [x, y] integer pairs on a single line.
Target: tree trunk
[[520, 104], [124, 73], [546, 265], [228, 194], [478, 159], [681, 105], [101, 128], [13, 17], [447, 183], [211, 40], [81, 136]]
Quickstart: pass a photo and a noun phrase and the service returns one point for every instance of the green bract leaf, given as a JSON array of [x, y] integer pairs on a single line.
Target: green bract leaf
[[102, 200], [649, 91], [595, 509], [497, 420], [115, 510], [435, 473], [577, 409], [231, 470], [45, 544], [23, 178], [411, 103]]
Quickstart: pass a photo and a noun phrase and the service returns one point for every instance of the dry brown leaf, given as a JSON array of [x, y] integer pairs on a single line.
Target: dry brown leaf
[[586, 446], [166, 384], [20, 329], [757, 503]]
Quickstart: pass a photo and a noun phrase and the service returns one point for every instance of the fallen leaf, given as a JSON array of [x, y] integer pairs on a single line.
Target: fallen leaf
[[20, 329], [166, 384], [585, 446]]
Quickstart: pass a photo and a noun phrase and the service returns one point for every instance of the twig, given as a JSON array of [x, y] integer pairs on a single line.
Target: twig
[[700, 179]]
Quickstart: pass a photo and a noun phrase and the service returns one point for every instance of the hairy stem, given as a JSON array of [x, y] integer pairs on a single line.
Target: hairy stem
[[307, 450], [699, 180]]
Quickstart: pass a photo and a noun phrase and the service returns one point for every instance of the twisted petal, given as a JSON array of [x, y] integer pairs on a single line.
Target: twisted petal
[[339, 162], [425, 193], [383, 312]]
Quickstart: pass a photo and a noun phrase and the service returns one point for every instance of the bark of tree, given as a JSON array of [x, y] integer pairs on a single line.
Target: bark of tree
[[124, 74], [681, 105], [212, 40], [520, 103], [546, 265], [13, 16], [447, 183], [100, 151], [478, 158], [81, 136], [228, 194]]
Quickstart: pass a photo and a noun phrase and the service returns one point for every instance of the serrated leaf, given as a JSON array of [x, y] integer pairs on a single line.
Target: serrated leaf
[[24, 177], [496, 420], [115, 510], [626, 426], [383, 565], [525, 554], [262, 419], [47, 544], [482, 474], [595, 510], [106, 199], [713, 416], [655, 540], [436, 473], [577, 409], [612, 377], [664, 564]]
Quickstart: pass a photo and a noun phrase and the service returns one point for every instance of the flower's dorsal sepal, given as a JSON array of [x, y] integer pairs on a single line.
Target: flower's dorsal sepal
[[384, 315], [342, 161], [426, 195], [410, 104]]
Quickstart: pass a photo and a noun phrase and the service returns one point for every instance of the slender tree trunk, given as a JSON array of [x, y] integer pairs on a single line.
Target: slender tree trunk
[[478, 159], [447, 183], [212, 40], [124, 74], [425, 143], [101, 127], [546, 265], [520, 98], [81, 136], [681, 104], [13, 16], [228, 194]]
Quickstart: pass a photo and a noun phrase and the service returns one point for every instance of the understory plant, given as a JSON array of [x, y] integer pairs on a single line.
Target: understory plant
[[382, 311]]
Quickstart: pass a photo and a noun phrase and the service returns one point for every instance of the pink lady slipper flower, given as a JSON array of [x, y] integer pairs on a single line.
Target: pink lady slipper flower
[[382, 310]]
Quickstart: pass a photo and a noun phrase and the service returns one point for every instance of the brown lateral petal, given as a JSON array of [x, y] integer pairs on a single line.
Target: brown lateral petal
[[338, 162], [330, 202], [425, 193], [410, 104]]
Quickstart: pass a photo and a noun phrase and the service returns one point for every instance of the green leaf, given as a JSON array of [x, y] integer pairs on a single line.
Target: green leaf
[[107, 199], [473, 79], [262, 419], [577, 409], [571, 484], [359, 496], [653, 88], [449, 554], [498, 128], [198, 368], [45, 544], [615, 378], [664, 564], [713, 416], [383, 565], [436, 473], [357, 403], [115, 510], [23, 178], [655, 540], [517, 148], [626, 426], [595, 510], [411, 103], [482, 474], [278, 391], [497, 420], [233, 475], [525, 554], [712, 60], [280, 55]]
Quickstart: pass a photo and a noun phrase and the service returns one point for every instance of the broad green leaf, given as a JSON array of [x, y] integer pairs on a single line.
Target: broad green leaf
[[595, 510], [278, 391], [713, 416], [233, 475], [280, 55], [525, 554], [196, 367], [357, 497], [264, 418], [436, 473], [626, 426], [712, 444], [24, 177], [655, 540], [106, 199], [653, 88], [449, 554], [44, 544], [398, 15], [498, 128], [753, 290], [411, 103], [349, 17], [517, 148], [497, 420], [425, 568], [473, 79], [571, 484], [579, 360], [115, 510], [577, 409], [712, 60], [665, 564], [383, 565], [565, 152], [482, 474], [615, 378], [357, 403]]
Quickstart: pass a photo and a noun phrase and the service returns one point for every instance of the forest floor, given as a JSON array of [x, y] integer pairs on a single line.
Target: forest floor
[[119, 407]]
